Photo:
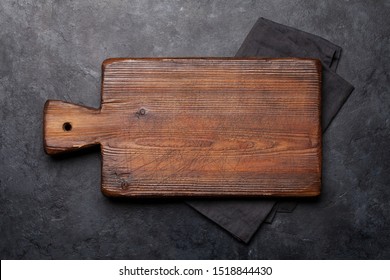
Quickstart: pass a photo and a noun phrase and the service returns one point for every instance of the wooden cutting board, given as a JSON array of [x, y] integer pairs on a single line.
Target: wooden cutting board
[[200, 127]]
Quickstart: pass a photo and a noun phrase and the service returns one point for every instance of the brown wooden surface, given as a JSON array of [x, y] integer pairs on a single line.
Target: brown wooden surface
[[200, 127]]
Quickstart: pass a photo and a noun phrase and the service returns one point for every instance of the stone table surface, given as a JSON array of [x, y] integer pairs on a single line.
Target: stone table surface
[[53, 208]]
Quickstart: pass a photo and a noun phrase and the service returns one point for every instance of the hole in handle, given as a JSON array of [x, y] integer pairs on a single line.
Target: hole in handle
[[67, 126]]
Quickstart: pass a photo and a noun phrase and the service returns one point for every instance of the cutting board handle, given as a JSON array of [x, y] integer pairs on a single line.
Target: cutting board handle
[[68, 127]]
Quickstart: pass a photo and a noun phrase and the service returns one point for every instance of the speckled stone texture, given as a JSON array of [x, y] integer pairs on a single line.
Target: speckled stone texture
[[53, 208]]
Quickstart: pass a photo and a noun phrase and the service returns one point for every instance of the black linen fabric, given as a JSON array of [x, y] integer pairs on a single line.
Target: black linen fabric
[[242, 217]]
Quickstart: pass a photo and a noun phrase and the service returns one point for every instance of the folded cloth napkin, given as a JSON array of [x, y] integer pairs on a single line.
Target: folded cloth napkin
[[242, 217]]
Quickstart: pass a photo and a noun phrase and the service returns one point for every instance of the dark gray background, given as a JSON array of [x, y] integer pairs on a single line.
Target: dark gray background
[[53, 208]]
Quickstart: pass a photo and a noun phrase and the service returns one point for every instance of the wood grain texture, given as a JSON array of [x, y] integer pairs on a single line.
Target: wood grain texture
[[200, 127]]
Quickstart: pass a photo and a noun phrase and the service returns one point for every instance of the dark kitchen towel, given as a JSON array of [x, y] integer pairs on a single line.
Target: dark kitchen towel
[[242, 217]]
